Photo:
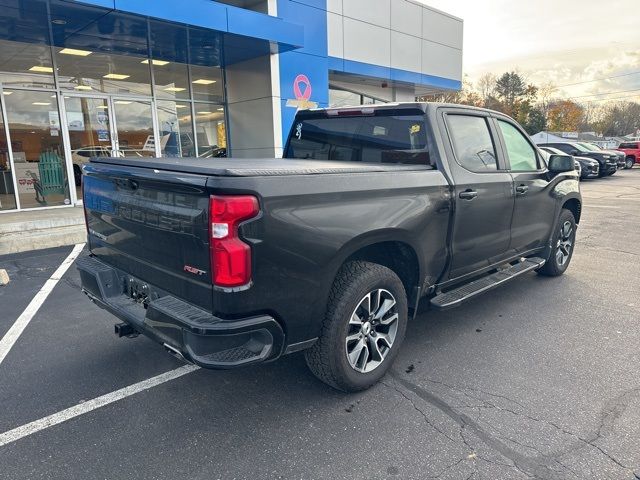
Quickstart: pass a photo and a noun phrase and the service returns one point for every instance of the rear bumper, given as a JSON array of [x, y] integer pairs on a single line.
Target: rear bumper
[[197, 335]]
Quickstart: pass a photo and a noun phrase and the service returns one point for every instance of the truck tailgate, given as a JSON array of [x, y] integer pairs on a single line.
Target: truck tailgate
[[153, 224]]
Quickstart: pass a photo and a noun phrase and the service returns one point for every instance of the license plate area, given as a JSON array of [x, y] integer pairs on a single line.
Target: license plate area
[[137, 290]]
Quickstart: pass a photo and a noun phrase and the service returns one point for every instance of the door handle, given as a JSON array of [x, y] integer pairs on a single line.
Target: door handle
[[468, 194], [522, 189]]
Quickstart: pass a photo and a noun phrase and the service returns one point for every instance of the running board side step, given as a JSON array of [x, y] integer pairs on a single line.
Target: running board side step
[[455, 297]]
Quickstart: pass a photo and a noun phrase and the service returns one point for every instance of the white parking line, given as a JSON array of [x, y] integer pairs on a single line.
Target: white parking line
[[25, 317], [82, 408]]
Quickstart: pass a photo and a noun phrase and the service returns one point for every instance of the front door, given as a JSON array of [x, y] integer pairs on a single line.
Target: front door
[[534, 209], [483, 195]]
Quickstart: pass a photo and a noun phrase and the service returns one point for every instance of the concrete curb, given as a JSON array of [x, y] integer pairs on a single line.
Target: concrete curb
[[35, 230]]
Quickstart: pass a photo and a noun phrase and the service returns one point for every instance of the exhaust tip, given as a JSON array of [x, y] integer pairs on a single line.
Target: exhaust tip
[[175, 352]]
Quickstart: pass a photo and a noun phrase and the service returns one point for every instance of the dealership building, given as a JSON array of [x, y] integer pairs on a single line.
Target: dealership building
[[146, 78]]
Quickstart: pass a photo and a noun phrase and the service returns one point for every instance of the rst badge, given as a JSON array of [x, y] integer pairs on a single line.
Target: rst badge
[[194, 270]]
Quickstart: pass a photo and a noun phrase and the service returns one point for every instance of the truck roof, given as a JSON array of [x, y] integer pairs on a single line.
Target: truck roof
[[424, 106]]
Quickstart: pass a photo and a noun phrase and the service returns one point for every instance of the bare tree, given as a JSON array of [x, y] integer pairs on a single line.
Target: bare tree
[[546, 95], [486, 87]]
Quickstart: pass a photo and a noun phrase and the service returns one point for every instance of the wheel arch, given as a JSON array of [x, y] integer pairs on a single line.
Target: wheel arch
[[574, 205], [392, 249]]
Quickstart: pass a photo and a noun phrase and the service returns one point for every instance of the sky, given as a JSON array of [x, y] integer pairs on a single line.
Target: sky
[[565, 42]]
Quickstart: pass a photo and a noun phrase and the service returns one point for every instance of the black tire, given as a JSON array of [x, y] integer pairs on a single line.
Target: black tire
[[328, 359], [559, 259], [629, 162]]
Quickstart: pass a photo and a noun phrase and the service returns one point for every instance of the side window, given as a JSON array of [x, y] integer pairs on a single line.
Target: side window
[[522, 156], [472, 143]]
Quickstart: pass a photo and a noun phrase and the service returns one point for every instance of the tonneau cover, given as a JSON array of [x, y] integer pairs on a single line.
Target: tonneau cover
[[253, 167]]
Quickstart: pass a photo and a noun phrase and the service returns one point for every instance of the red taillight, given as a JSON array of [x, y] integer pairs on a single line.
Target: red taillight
[[230, 256]]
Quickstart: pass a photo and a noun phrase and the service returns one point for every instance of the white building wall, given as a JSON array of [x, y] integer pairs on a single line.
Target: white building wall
[[400, 34]]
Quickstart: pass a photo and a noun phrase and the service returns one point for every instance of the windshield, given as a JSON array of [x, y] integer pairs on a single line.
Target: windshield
[[580, 147], [381, 138], [590, 147]]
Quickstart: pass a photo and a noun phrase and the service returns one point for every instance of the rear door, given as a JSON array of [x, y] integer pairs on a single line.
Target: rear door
[[483, 194], [534, 209]]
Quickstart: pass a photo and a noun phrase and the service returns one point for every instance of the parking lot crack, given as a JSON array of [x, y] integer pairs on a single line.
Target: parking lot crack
[[447, 468], [475, 389], [534, 467], [610, 414], [419, 410]]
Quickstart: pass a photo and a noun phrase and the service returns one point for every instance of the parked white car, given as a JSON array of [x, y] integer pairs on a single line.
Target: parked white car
[[80, 156]]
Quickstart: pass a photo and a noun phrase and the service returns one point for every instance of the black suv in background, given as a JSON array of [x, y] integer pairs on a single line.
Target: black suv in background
[[597, 148], [586, 167], [608, 162]]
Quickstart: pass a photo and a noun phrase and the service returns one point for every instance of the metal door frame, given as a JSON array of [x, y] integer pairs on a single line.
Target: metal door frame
[[7, 136], [109, 100], [67, 139]]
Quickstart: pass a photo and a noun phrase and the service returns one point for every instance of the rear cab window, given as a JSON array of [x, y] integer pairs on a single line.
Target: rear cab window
[[384, 136]]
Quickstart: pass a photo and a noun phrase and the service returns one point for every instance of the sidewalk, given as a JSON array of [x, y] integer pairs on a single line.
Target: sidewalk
[[34, 230]]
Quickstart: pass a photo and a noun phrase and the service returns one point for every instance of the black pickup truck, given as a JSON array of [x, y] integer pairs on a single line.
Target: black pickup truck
[[373, 211]]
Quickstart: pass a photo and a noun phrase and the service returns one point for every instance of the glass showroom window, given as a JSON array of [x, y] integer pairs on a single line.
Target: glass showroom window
[[206, 83], [211, 134], [175, 129], [171, 80], [38, 154], [31, 67], [86, 71]]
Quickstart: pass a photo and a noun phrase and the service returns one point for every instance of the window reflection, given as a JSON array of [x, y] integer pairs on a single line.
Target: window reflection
[[87, 71], [38, 154], [211, 132], [175, 128], [25, 65], [206, 83], [89, 131], [110, 107], [171, 80], [134, 136]]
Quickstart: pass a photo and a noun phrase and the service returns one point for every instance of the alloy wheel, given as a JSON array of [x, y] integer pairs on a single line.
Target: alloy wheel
[[373, 326], [565, 243]]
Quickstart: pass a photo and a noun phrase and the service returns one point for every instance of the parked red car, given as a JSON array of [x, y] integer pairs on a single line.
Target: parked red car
[[631, 151]]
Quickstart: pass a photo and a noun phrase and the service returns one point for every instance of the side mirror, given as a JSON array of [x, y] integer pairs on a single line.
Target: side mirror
[[574, 152], [561, 163]]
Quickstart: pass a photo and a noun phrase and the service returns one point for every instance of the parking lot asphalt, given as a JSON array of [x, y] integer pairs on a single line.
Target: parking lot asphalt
[[537, 379]]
